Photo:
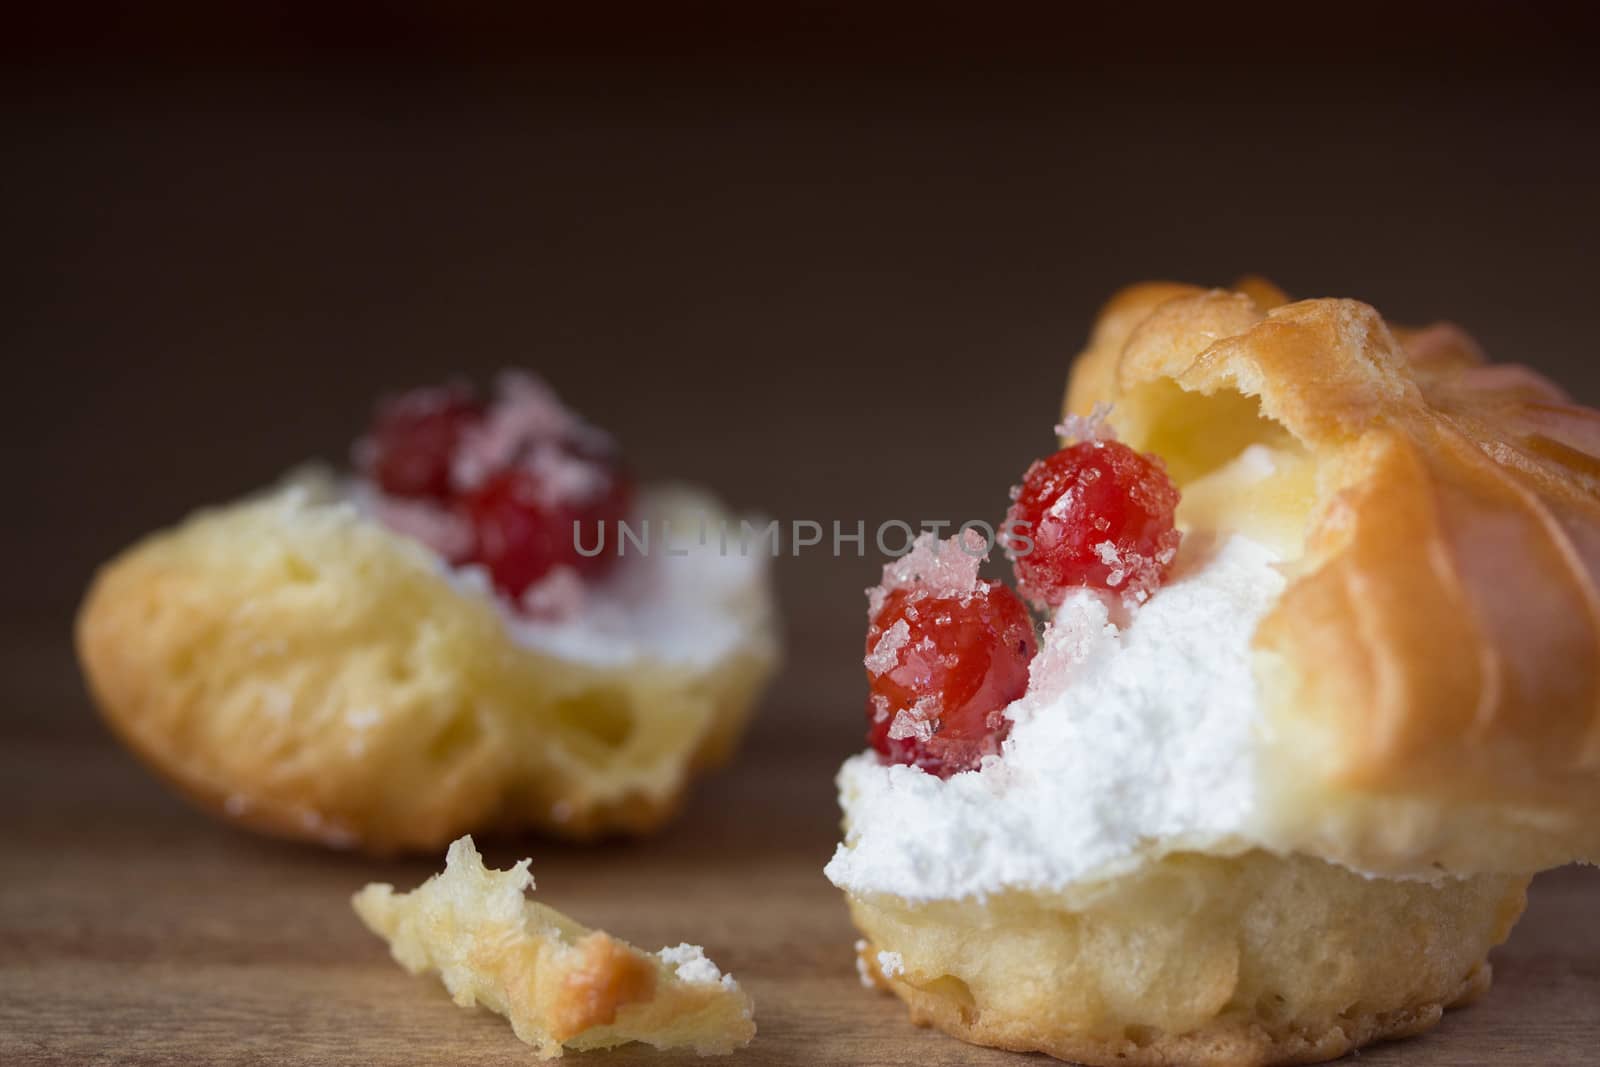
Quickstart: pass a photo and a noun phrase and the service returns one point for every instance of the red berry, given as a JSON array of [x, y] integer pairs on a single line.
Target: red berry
[[1098, 514], [940, 672], [414, 439], [526, 522]]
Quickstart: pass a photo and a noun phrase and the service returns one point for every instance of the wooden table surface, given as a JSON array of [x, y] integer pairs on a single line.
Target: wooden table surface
[[135, 930]]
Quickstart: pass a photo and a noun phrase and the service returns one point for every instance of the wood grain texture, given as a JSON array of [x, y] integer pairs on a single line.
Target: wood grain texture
[[134, 930]]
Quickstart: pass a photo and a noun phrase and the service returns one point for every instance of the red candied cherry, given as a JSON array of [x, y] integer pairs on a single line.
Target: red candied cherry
[[414, 438], [941, 670], [1098, 514], [531, 517]]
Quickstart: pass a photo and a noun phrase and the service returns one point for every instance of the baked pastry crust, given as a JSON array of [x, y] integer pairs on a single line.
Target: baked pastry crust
[[1430, 692], [1432, 672], [301, 670], [1194, 961], [561, 984]]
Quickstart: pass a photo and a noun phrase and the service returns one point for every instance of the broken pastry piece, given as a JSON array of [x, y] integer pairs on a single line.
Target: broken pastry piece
[[454, 635], [562, 985]]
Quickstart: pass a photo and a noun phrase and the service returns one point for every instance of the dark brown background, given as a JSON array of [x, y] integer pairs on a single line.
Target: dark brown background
[[832, 264]]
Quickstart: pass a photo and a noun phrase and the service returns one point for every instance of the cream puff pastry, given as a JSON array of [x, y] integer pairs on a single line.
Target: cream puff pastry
[[1318, 692], [441, 641], [562, 985]]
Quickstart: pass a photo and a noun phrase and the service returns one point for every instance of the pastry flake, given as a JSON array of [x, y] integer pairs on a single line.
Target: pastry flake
[[561, 984]]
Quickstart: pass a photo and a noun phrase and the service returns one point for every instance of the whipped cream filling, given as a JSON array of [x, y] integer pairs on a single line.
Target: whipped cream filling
[[1136, 737], [678, 596]]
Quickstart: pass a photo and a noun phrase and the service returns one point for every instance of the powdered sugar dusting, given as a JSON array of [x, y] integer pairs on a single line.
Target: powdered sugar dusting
[[1106, 552], [562, 476], [1090, 427], [947, 568], [1067, 502], [527, 425], [886, 653], [1136, 736], [920, 720], [689, 964], [525, 410]]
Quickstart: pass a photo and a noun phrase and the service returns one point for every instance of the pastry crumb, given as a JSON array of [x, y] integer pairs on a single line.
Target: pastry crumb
[[863, 971], [562, 985]]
